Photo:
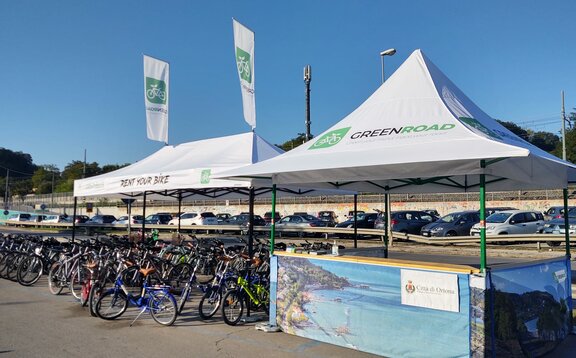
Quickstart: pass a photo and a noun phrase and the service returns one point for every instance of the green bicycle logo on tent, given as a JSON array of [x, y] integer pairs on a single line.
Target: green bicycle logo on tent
[[155, 90], [330, 139], [243, 63], [205, 176]]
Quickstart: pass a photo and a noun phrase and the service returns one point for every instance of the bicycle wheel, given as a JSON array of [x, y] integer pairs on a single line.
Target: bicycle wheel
[[206, 271], [96, 291], [111, 305], [12, 266], [209, 303], [56, 280], [232, 307], [163, 309], [76, 281], [179, 275], [30, 270], [85, 293]]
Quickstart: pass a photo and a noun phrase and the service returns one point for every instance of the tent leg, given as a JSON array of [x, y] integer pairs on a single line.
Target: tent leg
[[273, 221], [129, 218], [387, 226], [566, 222], [179, 209], [144, 221], [74, 219], [355, 221], [483, 217], [251, 223]]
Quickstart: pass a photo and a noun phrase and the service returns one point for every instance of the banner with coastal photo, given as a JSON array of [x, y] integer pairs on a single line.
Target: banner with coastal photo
[[531, 307], [244, 53], [359, 306], [156, 90]]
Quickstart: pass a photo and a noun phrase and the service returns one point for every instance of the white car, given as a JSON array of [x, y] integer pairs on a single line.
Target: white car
[[54, 219], [512, 222], [206, 218]]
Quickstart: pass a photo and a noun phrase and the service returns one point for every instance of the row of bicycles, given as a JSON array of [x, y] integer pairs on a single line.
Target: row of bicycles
[[110, 273]]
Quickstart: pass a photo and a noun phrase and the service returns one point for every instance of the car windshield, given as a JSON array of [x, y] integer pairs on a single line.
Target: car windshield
[[309, 217], [207, 215], [450, 218], [572, 213], [498, 218], [359, 216]]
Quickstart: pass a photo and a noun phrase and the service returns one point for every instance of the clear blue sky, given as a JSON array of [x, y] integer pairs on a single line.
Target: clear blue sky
[[72, 73]]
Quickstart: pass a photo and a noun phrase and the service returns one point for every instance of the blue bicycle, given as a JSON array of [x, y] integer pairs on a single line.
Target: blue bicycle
[[155, 299]]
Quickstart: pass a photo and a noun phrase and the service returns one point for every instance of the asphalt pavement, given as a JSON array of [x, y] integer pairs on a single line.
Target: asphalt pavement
[[34, 323]]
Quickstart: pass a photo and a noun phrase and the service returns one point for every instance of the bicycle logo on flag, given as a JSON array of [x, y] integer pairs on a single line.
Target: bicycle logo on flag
[[155, 90], [243, 63]]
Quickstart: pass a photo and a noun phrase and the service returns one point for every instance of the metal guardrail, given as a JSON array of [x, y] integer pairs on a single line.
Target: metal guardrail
[[327, 232]]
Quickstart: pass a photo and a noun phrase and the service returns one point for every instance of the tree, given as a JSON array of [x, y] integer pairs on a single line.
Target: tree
[[43, 179], [293, 143], [545, 140], [75, 170], [516, 129], [20, 164]]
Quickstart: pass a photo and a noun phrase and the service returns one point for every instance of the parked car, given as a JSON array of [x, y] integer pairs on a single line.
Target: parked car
[[329, 216], [454, 224], [299, 221], [490, 211], [53, 219], [135, 220], [558, 226], [512, 222], [80, 219], [363, 220], [20, 217], [222, 217], [556, 212], [206, 218], [101, 219], [405, 221], [268, 217], [350, 214], [432, 212], [243, 220], [158, 219]]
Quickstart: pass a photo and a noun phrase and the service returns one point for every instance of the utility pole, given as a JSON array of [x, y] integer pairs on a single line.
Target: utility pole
[[563, 128], [6, 189], [307, 80], [84, 168]]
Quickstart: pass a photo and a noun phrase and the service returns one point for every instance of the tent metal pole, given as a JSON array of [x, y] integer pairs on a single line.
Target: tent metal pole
[[566, 222], [273, 220], [387, 226], [74, 219], [251, 223], [355, 221], [144, 221], [179, 208], [482, 217]]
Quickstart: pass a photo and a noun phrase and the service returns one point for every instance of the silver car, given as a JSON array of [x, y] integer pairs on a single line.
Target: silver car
[[512, 222]]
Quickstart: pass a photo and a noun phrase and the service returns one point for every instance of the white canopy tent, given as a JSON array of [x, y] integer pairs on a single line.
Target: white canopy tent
[[416, 133], [187, 170]]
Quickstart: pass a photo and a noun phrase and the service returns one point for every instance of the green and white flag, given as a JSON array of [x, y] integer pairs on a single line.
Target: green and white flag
[[244, 51], [156, 84]]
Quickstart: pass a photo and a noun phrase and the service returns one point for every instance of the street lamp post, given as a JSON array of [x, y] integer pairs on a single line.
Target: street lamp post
[[307, 80], [389, 52], [388, 232]]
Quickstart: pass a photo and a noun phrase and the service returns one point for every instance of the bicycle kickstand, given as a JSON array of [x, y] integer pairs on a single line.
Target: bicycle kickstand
[[138, 316]]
